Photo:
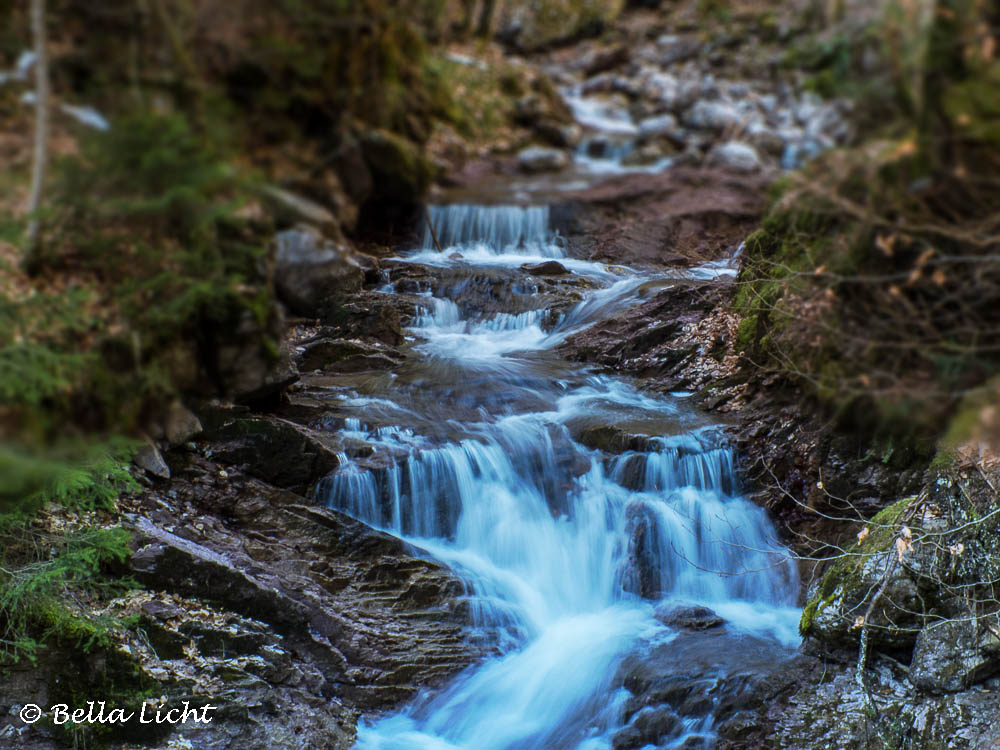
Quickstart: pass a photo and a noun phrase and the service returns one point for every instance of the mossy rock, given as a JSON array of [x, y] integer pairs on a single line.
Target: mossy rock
[[400, 172], [545, 23], [845, 590]]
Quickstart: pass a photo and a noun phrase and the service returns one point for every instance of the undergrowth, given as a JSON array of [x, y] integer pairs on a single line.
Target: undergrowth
[[874, 282]]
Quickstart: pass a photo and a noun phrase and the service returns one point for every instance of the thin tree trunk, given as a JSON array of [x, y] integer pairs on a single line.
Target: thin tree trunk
[[41, 130], [486, 18]]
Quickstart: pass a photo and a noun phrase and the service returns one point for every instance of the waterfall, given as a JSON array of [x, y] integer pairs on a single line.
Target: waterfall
[[564, 549], [495, 229]]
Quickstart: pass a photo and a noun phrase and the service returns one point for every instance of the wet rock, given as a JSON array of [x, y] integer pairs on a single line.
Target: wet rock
[[677, 49], [340, 355], [655, 127], [368, 315], [649, 153], [692, 617], [834, 613], [610, 438], [953, 655], [674, 686], [546, 268], [541, 159], [735, 155], [278, 451], [641, 574], [359, 617], [677, 217], [713, 115], [559, 134], [310, 269], [249, 372]]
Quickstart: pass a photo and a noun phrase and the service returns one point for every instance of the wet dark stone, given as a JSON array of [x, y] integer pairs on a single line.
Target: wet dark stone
[[546, 268], [687, 616]]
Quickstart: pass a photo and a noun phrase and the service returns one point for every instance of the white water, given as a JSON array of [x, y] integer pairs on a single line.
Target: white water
[[557, 540]]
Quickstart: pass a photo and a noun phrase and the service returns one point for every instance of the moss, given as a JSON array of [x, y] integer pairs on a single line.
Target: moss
[[401, 173], [842, 575], [553, 22]]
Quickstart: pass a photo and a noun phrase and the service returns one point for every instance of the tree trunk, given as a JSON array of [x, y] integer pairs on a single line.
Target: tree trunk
[[41, 132], [486, 18]]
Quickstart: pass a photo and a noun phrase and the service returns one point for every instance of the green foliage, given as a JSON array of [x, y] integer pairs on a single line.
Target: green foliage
[[33, 603], [73, 475]]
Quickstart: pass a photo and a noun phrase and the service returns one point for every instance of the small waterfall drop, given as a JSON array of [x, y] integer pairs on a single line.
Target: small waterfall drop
[[492, 229]]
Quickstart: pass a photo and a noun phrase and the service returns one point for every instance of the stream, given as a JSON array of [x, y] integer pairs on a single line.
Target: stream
[[569, 553]]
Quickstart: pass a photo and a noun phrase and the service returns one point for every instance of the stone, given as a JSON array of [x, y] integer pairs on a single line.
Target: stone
[[735, 155], [310, 268], [537, 159], [149, 459], [367, 316], [400, 172], [603, 59], [181, 424], [250, 373], [712, 115], [655, 127], [290, 208], [950, 656], [278, 451], [546, 268], [553, 22], [688, 616], [559, 134], [339, 355]]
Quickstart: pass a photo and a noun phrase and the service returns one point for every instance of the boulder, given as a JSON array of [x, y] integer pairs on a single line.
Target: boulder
[[712, 115], [690, 616], [250, 371], [537, 159], [180, 424], [657, 127], [544, 23], [310, 268], [340, 355], [367, 316], [735, 155], [546, 268], [953, 655], [400, 174], [278, 451]]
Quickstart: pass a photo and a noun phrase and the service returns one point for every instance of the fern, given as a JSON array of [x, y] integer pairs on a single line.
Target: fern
[[33, 604]]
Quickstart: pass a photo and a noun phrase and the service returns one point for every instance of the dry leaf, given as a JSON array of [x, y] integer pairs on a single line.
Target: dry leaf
[[886, 243]]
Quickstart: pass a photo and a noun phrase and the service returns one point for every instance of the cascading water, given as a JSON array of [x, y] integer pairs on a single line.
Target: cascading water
[[565, 550], [492, 228]]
